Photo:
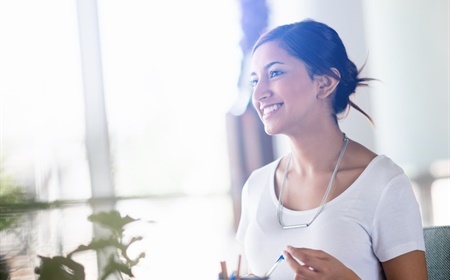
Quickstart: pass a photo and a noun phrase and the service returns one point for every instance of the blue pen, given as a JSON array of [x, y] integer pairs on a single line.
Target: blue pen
[[280, 259]]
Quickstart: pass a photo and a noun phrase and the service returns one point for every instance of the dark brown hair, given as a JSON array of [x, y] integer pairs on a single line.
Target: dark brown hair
[[320, 48]]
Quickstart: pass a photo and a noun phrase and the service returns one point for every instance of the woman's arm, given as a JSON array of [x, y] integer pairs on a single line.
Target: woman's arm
[[316, 264], [320, 265], [411, 266]]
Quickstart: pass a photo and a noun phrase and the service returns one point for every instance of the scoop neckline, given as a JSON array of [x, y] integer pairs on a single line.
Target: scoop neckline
[[329, 203]]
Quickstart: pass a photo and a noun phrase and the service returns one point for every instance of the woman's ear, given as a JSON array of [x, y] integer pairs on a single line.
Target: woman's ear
[[327, 84]]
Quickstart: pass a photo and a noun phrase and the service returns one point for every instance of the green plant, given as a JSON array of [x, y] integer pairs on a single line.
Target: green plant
[[10, 194], [119, 262], [14, 202], [4, 269], [60, 268]]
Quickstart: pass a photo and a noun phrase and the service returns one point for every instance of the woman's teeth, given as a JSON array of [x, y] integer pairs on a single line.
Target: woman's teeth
[[270, 109]]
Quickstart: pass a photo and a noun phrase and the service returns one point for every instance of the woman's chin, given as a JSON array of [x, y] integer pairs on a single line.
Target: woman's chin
[[270, 130]]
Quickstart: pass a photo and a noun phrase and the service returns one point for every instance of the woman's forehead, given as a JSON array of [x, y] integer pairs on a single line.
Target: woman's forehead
[[268, 53]]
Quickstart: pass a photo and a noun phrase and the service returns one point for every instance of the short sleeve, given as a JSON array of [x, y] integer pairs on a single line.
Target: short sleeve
[[397, 226]]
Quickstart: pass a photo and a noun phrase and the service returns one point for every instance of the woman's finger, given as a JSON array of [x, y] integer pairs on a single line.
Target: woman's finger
[[309, 257], [300, 270]]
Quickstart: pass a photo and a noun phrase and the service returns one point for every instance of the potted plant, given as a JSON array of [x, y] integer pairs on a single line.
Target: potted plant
[[119, 262]]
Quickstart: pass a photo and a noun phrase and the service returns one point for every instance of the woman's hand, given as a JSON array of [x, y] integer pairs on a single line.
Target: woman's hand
[[316, 264]]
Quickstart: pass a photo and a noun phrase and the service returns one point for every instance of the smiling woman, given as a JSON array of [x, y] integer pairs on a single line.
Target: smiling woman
[[328, 204]]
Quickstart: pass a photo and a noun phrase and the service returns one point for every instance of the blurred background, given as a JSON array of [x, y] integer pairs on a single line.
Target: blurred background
[[143, 107]]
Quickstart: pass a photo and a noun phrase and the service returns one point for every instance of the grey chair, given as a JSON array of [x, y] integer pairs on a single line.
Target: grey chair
[[437, 252]]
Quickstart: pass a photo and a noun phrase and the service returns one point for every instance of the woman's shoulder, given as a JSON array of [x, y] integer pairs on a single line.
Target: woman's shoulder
[[267, 168], [264, 173], [363, 161], [359, 156], [260, 178]]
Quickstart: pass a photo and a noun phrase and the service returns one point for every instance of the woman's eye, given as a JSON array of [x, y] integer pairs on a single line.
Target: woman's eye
[[275, 73], [253, 83]]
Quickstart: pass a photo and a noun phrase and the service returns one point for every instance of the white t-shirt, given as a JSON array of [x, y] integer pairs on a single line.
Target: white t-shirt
[[376, 219]]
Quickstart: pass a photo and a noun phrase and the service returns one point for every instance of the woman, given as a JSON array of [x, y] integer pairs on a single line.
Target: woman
[[332, 207]]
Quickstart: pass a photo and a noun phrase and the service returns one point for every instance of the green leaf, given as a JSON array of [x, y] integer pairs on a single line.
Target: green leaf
[[134, 239], [114, 266], [111, 220], [97, 244], [59, 268], [136, 261]]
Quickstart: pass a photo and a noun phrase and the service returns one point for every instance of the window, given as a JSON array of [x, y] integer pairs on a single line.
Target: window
[[41, 99], [170, 70]]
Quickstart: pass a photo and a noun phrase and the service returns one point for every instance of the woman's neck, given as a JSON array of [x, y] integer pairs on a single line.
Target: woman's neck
[[316, 152]]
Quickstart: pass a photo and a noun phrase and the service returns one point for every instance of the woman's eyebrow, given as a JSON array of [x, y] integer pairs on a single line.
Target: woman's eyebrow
[[268, 66]]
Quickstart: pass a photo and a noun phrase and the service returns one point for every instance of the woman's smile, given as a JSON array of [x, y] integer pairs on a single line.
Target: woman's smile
[[269, 110]]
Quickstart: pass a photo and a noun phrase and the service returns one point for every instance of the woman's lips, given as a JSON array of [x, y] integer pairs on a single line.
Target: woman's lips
[[271, 109]]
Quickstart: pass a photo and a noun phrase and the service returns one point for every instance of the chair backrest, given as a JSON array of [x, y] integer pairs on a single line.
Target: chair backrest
[[437, 252]]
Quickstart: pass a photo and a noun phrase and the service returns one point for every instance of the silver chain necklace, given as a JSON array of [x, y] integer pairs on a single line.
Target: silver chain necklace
[[280, 205]]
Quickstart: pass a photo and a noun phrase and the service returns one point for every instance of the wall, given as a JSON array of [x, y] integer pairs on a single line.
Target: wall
[[406, 45], [409, 50]]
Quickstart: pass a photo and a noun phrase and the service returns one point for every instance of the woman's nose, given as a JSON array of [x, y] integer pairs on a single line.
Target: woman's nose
[[261, 91]]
